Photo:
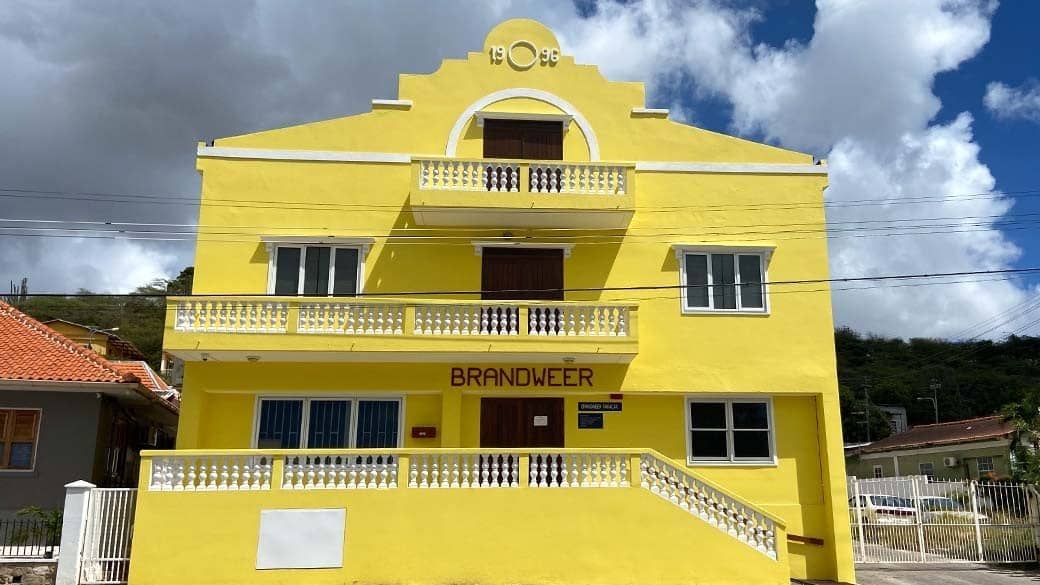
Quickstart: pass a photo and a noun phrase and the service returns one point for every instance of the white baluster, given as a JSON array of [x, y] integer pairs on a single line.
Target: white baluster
[[413, 471], [532, 326]]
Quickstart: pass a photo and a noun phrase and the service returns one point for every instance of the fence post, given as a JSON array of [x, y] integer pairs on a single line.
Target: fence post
[[859, 521], [74, 521], [975, 519], [915, 491]]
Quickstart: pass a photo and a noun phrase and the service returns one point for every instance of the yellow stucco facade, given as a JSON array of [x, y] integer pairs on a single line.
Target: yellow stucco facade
[[399, 184]]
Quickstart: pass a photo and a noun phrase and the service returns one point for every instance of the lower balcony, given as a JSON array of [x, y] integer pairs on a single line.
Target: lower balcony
[[360, 329], [488, 516]]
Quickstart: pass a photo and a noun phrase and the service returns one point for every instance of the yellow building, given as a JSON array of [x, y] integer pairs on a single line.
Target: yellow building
[[512, 276]]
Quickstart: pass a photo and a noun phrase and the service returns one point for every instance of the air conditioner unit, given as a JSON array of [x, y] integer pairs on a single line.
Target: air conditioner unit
[[950, 461]]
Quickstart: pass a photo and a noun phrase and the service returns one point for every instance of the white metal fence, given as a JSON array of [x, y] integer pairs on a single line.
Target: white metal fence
[[922, 520], [108, 529]]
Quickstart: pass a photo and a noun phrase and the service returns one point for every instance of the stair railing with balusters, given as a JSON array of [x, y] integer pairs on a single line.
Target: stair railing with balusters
[[393, 469]]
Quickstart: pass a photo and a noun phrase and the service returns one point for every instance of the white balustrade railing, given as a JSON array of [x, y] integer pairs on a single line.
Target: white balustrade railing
[[351, 319], [464, 470], [578, 320], [566, 469], [581, 179], [211, 473], [541, 176], [343, 472], [467, 320], [231, 316], [469, 175], [732, 516]]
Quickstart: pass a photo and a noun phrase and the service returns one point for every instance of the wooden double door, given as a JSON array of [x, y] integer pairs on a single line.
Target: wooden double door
[[521, 422], [522, 274]]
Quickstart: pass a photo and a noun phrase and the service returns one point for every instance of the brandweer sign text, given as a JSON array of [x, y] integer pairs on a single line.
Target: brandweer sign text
[[521, 377]]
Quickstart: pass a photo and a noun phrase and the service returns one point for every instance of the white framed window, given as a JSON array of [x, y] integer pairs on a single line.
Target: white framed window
[[985, 465], [724, 280], [19, 437], [316, 266], [926, 469], [879, 472], [729, 430], [328, 422]]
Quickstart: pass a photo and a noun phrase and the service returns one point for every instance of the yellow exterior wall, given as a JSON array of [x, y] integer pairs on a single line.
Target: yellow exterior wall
[[787, 354], [448, 536], [98, 342]]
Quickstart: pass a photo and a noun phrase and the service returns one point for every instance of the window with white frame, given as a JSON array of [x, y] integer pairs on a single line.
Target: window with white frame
[[299, 269], [714, 280], [328, 423], [985, 464], [927, 468], [734, 430], [879, 471]]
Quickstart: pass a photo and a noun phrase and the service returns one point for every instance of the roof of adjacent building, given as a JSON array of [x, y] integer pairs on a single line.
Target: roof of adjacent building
[[29, 350], [149, 379], [115, 343], [948, 433]]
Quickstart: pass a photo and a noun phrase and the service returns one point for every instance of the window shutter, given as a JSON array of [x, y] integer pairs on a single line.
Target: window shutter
[[24, 427]]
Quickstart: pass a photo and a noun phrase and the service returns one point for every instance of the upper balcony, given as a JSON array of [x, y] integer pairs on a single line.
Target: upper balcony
[[360, 329], [521, 193]]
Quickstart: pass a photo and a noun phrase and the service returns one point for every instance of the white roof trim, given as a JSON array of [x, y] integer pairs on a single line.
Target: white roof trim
[[316, 155], [483, 115], [947, 448], [517, 92], [405, 104], [747, 168], [478, 246], [655, 112]]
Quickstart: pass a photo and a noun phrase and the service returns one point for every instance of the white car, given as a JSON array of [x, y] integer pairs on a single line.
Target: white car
[[940, 509], [886, 509]]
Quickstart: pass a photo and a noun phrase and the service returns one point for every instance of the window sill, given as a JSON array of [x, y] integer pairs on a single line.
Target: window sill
[[755, 312]]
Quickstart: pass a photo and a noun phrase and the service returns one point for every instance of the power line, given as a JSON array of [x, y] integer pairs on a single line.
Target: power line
[[649, 287]]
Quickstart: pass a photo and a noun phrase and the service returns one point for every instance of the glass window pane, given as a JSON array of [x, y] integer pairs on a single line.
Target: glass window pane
[[751, 276], [707, 415], [723, 279], [316, 270], [328, 424], [346, 272], [696, 280], [279, 426], [377, 424], [708, 444], [287, 271], [750, 415], [751, 444], [21, 456]]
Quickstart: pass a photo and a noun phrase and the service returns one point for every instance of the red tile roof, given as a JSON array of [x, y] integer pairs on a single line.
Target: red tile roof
[[143, 372], [961, 431], [29, 350]]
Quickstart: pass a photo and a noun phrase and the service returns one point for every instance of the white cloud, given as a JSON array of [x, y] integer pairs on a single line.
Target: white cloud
[[860, 90], [1014, 102]]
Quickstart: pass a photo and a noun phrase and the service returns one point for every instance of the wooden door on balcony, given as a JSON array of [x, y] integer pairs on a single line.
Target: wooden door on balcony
[[521, 274], [523, 139], [521, 422]]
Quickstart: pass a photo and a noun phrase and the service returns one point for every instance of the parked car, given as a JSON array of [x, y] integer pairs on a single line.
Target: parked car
[[940, 509], [886, 509]]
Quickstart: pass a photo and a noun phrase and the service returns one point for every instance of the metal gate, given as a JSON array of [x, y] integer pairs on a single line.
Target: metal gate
[[109, 527], [922, 520]]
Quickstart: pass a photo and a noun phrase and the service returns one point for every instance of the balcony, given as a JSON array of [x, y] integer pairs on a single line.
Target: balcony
[[521, 194], [463, 515], [400, 330]]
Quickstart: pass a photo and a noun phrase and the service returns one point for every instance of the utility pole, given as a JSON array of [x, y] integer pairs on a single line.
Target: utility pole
[[866, 410], [934, 386]]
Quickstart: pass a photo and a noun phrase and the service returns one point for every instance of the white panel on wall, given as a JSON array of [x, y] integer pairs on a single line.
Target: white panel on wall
[[301, 539]]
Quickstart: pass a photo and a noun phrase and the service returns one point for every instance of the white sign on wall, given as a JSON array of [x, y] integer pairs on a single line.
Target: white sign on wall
[[301, 539], [541, 421]]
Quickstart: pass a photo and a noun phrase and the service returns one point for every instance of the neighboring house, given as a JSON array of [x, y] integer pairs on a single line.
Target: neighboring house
[[977, 448], [435, 296], [68, 414], [897, 420], [104, 343]]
